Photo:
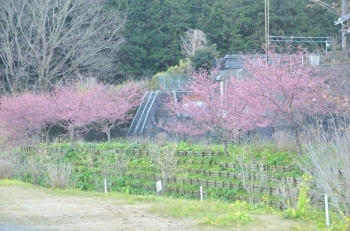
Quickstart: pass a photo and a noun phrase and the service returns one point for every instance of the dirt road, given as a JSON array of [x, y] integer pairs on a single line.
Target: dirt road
[[36, 210]]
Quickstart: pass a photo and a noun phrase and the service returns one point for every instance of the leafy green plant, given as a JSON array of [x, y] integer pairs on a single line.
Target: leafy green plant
[[217, 148], [237, 215], [316, 221], [85, 177], [303, 207], [228, 219], [235, 149], [203, 57], [92, 166], [278, 158], [185, 146], [296, 172]]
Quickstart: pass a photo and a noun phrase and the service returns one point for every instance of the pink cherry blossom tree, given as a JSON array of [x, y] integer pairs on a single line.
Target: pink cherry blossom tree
[[74, 107], [224, 108], [27, 114], [290, 87], [113, 105]]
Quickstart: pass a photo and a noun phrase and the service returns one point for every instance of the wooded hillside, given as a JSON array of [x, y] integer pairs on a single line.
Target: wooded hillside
[[153, 28], [41, 44]]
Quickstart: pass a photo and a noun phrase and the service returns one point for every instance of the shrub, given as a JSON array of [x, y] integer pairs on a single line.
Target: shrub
[[7, 169], [59, 175], [327, 160], [302, 207]]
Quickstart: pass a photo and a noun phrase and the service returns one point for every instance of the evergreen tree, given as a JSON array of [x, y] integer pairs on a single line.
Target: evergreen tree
[[153, 34], [154, 28]]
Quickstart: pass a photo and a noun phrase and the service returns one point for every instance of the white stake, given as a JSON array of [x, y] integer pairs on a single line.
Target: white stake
[[159, 186], [201, 192], [326, 208], [105, 183]]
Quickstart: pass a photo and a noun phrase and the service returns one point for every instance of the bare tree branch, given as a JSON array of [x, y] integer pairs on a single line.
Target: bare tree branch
[[165, 159], [330, 7], [43, 40], [327, 161], [193, 40]]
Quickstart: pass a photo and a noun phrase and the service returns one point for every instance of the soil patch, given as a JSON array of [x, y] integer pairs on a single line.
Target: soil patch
[[36, 209]]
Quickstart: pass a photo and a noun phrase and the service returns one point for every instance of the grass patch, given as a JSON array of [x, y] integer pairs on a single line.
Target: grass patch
[[73, 192], [7, 182], [212, 213]]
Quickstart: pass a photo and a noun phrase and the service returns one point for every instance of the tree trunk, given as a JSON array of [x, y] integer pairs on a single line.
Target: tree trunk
[[47, 136], [226, 146], [71, 134], [296, 131], [297, 138], [165, 181], [108, 133]]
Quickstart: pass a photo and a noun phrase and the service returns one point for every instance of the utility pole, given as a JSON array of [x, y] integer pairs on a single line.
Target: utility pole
[[267, 24], [344, 20], [267, 28], [343, 31]]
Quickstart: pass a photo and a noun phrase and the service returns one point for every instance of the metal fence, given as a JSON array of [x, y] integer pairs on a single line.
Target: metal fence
[[172, 81]]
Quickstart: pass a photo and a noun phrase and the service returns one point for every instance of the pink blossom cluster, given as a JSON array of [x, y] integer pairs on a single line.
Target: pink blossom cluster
[[97, 105], [271, 90]]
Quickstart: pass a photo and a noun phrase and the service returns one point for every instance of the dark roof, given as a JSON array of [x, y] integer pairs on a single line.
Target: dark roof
[[233, 62]]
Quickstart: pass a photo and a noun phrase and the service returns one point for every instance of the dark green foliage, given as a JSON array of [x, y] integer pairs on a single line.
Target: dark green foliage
[[299, 18], [278, 158], [234, 25], [154, 28], [84, 178], [152, 35], [203, 58]]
